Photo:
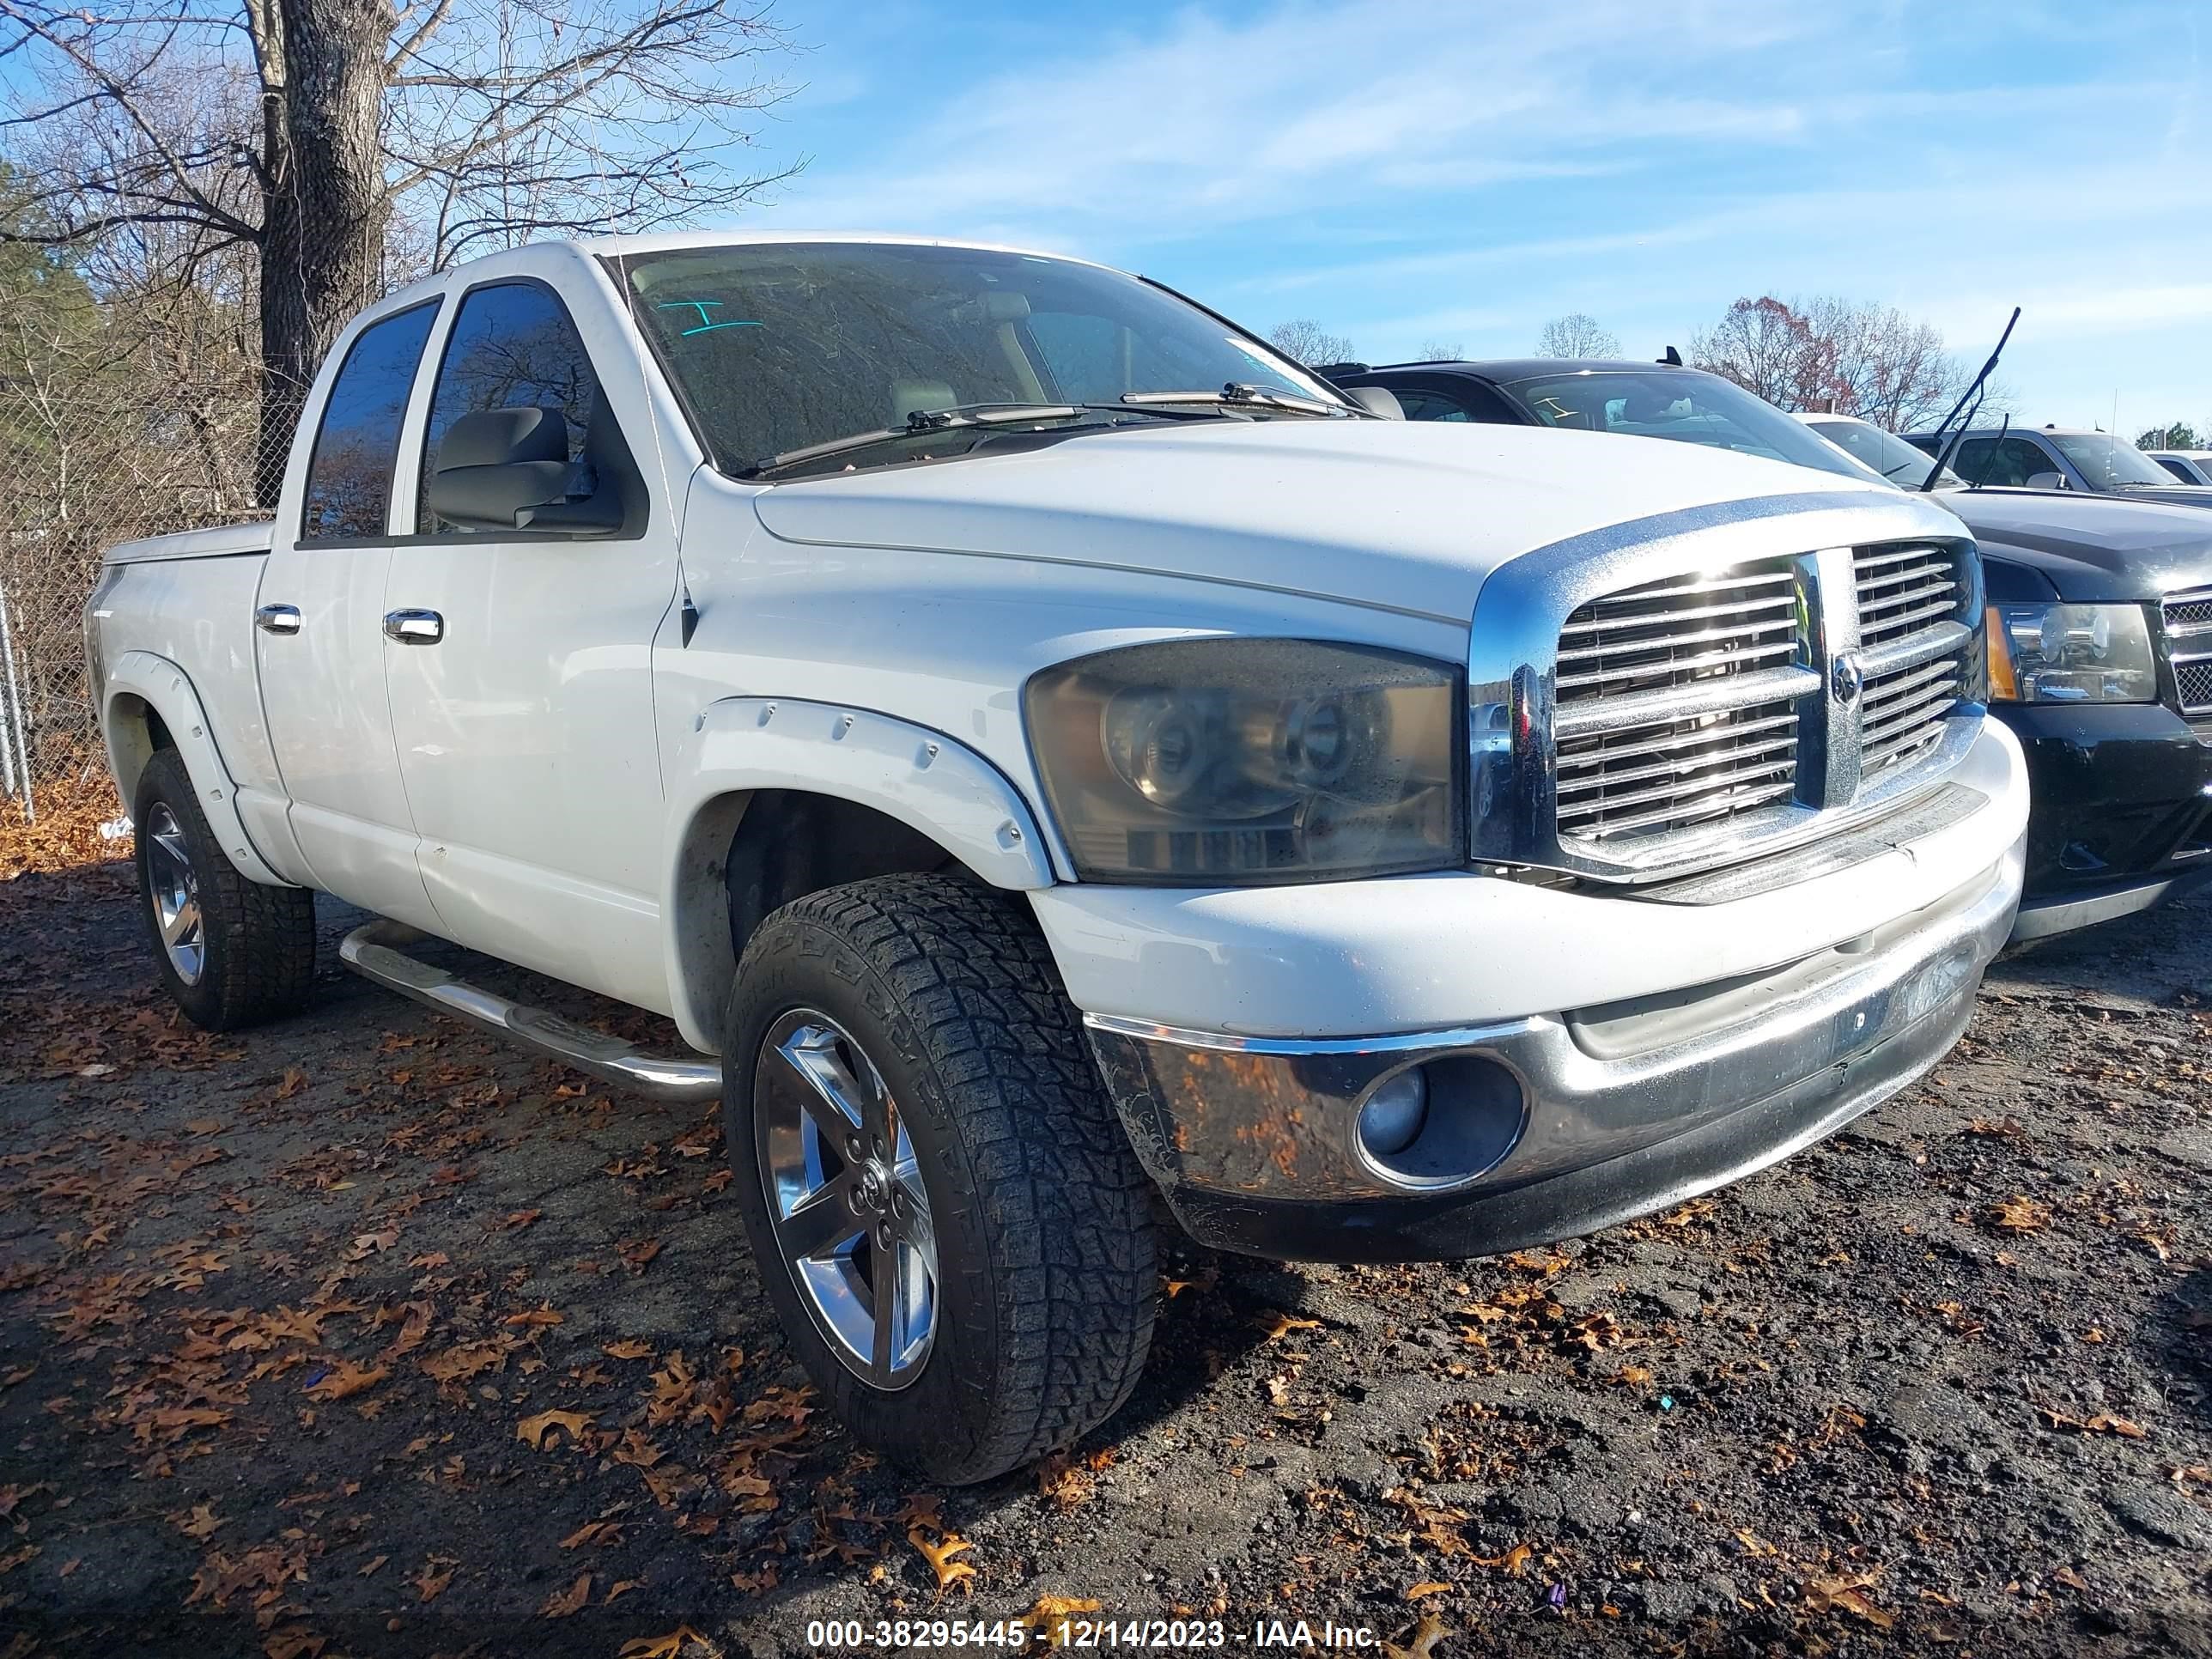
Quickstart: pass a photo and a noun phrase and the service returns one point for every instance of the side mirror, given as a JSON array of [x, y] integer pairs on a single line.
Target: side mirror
[[2048, 481], [508, 468]]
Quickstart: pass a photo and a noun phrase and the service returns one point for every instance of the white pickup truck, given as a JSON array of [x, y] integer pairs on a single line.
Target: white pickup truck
[[1040, 745]]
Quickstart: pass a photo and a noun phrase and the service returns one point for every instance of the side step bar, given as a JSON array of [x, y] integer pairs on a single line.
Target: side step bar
[[373, 950]]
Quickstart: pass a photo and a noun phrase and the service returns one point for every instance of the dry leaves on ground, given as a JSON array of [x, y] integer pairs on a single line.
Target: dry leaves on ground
[[538, 1429]]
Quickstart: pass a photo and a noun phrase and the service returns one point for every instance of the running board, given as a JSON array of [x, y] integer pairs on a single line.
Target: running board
[[372, 951]]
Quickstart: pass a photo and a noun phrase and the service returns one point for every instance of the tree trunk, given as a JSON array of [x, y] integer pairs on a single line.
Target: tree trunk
[[325, 210]]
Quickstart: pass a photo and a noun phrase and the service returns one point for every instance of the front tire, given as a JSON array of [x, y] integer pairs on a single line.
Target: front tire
[[232, 953], [941, 1198]]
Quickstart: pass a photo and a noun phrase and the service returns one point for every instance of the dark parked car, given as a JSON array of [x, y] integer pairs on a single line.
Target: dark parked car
[[2101, 644], [2055, 458]]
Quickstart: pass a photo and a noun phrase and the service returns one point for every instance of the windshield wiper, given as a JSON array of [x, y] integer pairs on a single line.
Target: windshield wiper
[[1944, 451], [926, 422], [1241, 394]]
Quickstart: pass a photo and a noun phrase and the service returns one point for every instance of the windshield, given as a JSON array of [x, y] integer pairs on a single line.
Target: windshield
[[2109, 461], [1683, 404], [1886, 453], [777, 346]]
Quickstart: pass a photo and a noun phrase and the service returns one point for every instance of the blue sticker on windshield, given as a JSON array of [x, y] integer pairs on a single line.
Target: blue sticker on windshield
[[707, 325]]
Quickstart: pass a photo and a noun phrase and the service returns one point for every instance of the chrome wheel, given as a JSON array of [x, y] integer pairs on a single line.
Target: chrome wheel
[[172, 887], [845, 1197]]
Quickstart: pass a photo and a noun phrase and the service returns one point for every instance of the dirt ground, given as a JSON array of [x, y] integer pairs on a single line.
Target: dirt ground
[[360, 1335]]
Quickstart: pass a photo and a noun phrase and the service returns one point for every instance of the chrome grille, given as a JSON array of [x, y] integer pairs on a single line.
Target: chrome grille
[[1903, 595], [2188, 621], [1675, 702]]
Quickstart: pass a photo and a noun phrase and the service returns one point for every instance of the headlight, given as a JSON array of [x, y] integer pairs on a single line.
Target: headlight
[[1226, 762], [2070, 653]]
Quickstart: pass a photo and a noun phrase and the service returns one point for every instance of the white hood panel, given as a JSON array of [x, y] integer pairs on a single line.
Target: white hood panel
[[1409, 516]]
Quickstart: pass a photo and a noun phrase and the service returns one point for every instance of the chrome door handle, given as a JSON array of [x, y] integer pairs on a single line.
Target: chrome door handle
[[277, 619], [414, 627]]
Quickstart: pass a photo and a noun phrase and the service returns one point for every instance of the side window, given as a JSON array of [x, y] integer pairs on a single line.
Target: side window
[[1429, 405], [1462, 400], [356, 452], [2027, 458], [513, 346]]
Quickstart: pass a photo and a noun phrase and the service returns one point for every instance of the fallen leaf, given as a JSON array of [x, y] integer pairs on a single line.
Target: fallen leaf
[[535, 1317], [345, 1379], [1046, 1616], [1421, 1642], [940, 1556], [294, 1642], [431, 1581], [373, 1563], [535, 1430], [637, 1254], [1427, 1586], [295, 1080], [593, 1532], [630, 1347], [203, 1125], [517, 1220], [366, 1245], [670, 1646], [2017, 1215], [623, 1587], [199, 1522], [1515, 1560], [1847, 1595], [1282, 1324], [575, 1599]]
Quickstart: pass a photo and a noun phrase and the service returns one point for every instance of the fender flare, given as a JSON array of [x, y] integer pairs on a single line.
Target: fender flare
[[934, 784], [167, 690]]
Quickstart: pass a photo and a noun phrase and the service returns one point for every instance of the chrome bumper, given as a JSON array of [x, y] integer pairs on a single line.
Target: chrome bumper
[[1626, 1108]]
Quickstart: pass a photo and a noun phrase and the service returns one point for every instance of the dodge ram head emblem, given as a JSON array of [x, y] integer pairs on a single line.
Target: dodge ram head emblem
[[1846, 678]]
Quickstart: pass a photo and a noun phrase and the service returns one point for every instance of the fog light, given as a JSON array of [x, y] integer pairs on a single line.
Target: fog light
[[1394, 1115]]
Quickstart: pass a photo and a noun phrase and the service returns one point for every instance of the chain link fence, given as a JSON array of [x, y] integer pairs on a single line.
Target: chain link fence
[[104, 437]]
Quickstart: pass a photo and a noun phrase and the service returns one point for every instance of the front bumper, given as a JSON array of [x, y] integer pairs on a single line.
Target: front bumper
[[1626, 1108], [2122, 813]]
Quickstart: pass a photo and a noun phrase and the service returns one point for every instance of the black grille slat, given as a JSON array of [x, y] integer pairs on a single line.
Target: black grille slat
[[2188, 621]]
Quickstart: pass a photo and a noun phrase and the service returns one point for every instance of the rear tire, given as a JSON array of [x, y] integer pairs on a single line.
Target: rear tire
[[910, 1104], [231, 952]]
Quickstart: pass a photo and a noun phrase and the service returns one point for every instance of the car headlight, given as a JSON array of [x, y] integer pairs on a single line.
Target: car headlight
[[1231, 762], [2071, 654]]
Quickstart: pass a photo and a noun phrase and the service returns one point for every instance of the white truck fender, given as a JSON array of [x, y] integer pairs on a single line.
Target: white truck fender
[[167, 690], [930, 782]]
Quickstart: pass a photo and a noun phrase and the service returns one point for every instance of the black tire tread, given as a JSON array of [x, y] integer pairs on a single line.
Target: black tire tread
[[1066, 1207], [264, 966]]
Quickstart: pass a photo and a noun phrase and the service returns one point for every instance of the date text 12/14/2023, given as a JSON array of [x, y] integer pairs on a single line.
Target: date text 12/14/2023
[[1089, 1631]]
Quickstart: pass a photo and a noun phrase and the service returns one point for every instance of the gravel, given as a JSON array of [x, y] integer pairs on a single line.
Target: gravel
[[1942, 1384]]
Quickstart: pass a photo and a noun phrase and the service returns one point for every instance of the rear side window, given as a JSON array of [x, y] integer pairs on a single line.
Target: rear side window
[[1461, 400], [514, 346], [357, 446]]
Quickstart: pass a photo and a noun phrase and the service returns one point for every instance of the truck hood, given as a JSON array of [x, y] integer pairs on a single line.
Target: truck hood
[[1404, 516], [2090, 548]]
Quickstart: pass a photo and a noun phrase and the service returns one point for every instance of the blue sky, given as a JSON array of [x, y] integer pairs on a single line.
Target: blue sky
[[1404, 173]]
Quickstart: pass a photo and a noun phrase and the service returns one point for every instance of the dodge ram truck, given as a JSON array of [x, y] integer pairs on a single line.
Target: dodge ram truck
[[1039, 745]]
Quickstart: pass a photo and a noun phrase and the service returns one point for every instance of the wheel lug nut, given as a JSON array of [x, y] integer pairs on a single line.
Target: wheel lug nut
[[898, 1204], [853, 1148], [884, 1234]]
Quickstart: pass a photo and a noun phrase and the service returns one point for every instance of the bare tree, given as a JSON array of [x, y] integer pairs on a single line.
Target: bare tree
[[1870, 360], [1302, 338], [322, 137], [1577, 334], [1442, 351]]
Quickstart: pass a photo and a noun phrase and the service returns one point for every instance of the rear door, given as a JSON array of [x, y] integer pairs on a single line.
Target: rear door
[[319, 640], [522, 694]]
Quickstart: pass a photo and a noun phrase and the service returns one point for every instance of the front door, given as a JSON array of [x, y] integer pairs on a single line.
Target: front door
[[318, 640], [522, 697]]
